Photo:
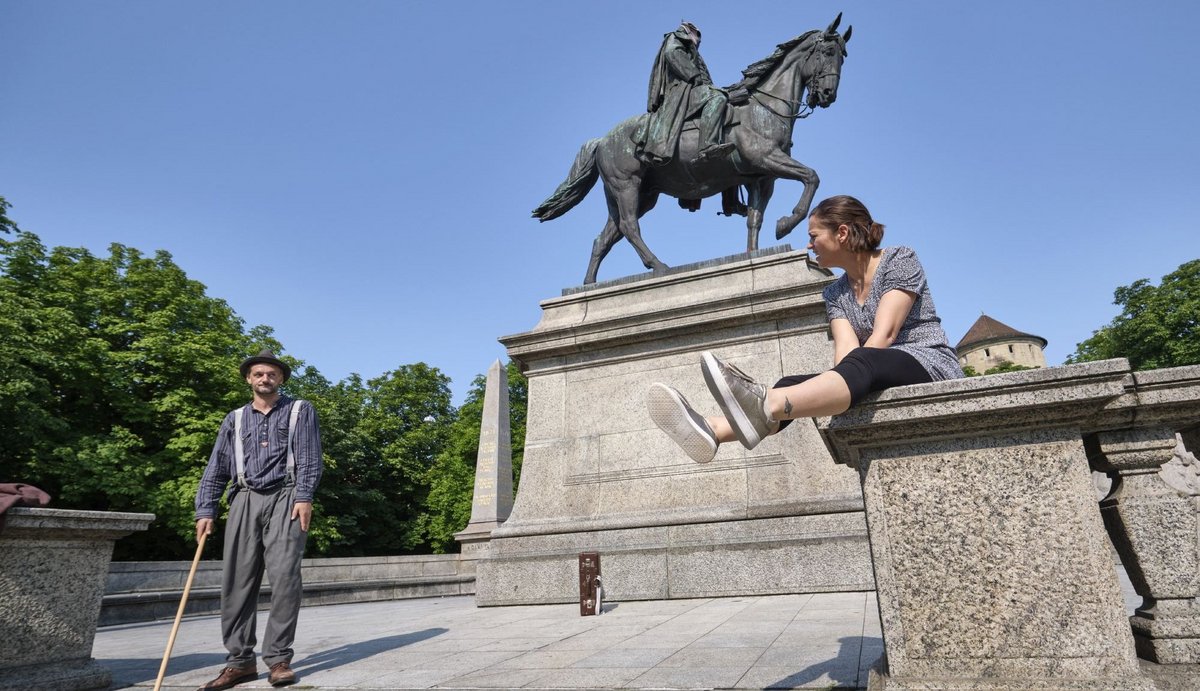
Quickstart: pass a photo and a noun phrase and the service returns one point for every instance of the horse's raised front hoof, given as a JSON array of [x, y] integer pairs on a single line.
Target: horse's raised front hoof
[[783, 226]]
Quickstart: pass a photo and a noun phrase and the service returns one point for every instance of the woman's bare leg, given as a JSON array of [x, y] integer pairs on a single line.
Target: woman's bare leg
[[721, 429], [824, 394]]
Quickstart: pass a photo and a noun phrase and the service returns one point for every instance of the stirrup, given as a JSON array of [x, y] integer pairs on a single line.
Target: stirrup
[[714, 152]]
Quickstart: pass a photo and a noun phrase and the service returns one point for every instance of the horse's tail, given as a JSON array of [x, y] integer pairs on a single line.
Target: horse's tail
[[572, 190]]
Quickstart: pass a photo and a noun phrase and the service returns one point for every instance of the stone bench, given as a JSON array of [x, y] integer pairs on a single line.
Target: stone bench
[[147, 591], [991, 561]]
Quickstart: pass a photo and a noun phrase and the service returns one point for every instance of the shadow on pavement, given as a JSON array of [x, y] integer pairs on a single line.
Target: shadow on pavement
[[842, 669], [130, 671], [346, 654]]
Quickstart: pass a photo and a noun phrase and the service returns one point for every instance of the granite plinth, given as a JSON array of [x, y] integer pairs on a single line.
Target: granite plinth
[[53, 566], [1168, 632], [598, 475], [991, 560], [820, 553]]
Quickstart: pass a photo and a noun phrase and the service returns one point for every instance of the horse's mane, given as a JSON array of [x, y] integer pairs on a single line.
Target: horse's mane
[[755, 73]]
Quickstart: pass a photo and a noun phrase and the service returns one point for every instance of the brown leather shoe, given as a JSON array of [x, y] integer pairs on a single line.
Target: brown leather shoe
[[281, 674], [231, 677]]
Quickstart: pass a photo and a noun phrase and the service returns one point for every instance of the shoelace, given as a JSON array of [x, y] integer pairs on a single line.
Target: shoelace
[[742, 375], [755, 388]]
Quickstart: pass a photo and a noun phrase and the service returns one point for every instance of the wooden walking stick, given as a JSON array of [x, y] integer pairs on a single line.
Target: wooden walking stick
[[187, 587]]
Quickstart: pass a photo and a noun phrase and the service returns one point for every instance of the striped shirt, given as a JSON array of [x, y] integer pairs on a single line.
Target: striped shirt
[[264, 441]]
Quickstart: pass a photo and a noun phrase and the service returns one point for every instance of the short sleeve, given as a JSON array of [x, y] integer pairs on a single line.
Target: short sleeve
[[833, 308], [903, 272]]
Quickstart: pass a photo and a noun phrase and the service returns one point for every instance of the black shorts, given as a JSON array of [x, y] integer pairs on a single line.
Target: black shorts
[[867, 370]]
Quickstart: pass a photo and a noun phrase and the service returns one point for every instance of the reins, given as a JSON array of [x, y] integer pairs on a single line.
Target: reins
[[801, 113]]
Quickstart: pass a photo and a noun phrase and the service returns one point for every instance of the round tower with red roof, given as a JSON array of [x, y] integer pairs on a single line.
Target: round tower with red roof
[[989, 344]]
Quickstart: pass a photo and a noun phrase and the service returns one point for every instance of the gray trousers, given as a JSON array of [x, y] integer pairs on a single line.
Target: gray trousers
[[260, 532]]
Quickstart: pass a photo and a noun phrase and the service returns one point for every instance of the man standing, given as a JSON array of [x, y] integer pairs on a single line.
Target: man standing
[[271, 450], [680, 86]]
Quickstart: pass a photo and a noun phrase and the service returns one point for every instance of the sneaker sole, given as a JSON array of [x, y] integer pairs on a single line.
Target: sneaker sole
[[742, 429], [669, 412]]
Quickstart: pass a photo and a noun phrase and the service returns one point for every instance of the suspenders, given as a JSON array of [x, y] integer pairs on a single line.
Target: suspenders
[[239, 450]]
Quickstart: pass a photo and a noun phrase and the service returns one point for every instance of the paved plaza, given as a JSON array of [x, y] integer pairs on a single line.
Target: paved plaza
[[821, 641], [781, 641]]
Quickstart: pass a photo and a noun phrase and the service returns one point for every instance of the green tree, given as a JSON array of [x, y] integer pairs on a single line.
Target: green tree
[[380, 440], [114, 373], [1159, 326], [452, 477], [1004, 366], [7, 225]]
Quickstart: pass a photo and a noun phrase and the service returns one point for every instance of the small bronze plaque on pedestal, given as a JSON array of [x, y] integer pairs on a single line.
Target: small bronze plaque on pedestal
[[589, 579]]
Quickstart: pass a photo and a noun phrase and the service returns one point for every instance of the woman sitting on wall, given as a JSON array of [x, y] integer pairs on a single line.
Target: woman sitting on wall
[[885, 333]]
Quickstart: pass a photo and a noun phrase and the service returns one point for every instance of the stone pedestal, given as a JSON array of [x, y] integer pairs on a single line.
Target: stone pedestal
[[991, 561], [598, 476], [53, 568]]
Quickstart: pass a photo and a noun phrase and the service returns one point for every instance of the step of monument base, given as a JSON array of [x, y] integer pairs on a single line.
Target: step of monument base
[[790, 554], [124, 608]]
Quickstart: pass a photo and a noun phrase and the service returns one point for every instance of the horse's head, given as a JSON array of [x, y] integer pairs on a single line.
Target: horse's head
[[822, 68]]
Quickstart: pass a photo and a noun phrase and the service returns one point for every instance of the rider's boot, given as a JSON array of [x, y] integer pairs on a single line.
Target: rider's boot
[[714, 152], [712, 122]]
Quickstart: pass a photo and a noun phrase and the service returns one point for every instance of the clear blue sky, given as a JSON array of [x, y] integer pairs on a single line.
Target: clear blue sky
[[380, 159]]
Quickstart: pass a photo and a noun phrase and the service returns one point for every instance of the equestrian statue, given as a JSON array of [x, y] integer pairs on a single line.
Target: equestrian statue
[[696, 140]]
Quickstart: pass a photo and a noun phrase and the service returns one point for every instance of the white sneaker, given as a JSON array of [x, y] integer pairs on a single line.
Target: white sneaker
[[741, 399], [687, 428]]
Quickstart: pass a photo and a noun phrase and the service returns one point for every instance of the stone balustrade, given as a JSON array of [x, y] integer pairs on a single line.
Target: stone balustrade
[[150, 590], [991, 561]]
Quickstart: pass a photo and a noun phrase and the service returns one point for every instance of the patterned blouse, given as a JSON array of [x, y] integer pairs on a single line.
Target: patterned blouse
[[921, 335]]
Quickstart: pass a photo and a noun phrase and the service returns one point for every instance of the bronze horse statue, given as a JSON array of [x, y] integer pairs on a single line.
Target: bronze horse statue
[[773, 91]]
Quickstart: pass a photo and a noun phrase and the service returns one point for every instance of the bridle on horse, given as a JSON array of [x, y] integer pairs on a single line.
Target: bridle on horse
[[801, 113]]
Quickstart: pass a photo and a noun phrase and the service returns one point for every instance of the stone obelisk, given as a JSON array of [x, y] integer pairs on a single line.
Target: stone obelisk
[[493, 500]]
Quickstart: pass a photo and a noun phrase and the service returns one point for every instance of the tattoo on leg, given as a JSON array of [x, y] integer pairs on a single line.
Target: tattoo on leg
[[787, 406]]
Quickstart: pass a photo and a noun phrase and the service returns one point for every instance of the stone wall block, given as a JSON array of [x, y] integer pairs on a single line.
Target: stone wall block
[[53, 570], [992, 564], [1021, 504]]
